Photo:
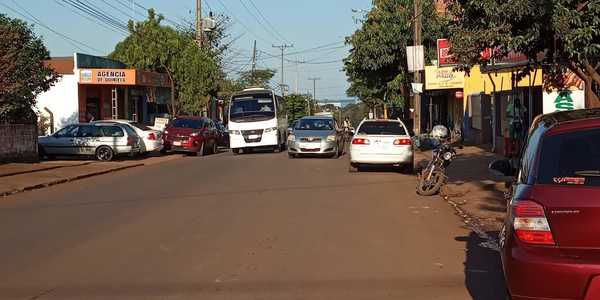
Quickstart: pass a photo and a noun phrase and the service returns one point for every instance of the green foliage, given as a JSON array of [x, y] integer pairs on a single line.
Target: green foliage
[[297, 106], [377, 61], [23, 74], [566, 31], [194, 71], [355, 112], [256, 78]]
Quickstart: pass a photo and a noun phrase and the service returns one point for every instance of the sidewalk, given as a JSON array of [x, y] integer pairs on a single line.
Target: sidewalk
[[16, 178], [478, 197]]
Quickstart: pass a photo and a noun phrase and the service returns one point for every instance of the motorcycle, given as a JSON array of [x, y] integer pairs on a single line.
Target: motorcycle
[[433, 176]]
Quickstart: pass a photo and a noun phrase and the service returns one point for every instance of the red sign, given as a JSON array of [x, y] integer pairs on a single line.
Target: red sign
[[443, 53]]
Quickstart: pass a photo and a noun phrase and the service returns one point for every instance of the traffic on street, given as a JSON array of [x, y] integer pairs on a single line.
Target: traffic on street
[[262, 149]]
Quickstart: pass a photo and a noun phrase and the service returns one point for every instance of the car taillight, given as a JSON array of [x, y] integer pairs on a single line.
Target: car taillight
[[359, 141], [530, 223], [402, 142], [152, 136]]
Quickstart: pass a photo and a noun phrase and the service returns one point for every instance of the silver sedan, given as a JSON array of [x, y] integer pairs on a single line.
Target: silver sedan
[[316, 136]]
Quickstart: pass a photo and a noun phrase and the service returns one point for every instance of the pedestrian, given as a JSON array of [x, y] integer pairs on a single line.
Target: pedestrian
[[515, 116]]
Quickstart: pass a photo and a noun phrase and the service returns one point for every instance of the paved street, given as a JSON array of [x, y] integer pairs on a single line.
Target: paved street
[[257, 226]]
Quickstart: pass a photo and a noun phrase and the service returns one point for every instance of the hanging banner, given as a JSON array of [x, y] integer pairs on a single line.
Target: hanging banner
[[563, 101], [415, 57]]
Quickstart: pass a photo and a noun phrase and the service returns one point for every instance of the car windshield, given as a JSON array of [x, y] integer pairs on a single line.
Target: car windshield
[[188, 123], [381, 128], [315, 124], [252, 108], [571, 158]]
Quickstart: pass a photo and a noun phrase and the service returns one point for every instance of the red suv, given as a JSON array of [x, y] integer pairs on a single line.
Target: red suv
[[551, 237], [196, 135]]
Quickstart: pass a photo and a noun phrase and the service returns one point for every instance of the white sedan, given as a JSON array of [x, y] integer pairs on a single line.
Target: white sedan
[[381, 143], [151, 138]]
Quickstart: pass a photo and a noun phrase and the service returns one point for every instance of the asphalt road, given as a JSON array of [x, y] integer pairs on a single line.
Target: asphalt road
[[256, 226]]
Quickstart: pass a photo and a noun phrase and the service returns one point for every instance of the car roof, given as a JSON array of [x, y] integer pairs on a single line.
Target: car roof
[[317, 117], [192, 118], [569, 120]]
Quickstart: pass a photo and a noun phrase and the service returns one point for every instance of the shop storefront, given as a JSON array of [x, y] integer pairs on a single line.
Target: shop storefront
[[95, 88], [442, 102], [122, 94]]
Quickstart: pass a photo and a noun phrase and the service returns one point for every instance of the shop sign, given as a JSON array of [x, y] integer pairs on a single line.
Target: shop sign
[[443, 53], [107, 76], [439, 78], [415, 58], [563, 100]]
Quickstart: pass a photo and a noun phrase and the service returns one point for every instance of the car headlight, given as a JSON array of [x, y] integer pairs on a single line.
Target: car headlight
[[291, 138], [194, 134], [235, 132], [271, 129], [331, 138]]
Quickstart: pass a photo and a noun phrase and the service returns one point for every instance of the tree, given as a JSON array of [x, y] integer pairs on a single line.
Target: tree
[[23, 75], [558, 35], [193, 71], [297, 106], [377, 64], [256, 78]]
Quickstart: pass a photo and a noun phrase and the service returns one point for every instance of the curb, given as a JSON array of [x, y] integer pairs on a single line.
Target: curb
[[64, 180], [44, 169]]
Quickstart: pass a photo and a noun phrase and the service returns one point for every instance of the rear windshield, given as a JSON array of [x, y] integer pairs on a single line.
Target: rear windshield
[[571, 158], [382, 128], [140, 126], [188, 123], [315, 124]]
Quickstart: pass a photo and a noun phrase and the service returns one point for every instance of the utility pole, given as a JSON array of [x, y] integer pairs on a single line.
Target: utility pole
[[298, 62], [254, 58], [314, 80], [282, 48], [199, 32], [417, 75]]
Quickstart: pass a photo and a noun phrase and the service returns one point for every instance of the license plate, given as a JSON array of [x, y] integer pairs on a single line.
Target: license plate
[[254, 136], [309, 146], [176, 143]]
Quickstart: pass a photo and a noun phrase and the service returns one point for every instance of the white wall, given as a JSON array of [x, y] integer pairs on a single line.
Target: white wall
[[62, 99]]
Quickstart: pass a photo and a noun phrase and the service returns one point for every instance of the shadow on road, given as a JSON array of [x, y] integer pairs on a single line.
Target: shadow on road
[[484, 278]]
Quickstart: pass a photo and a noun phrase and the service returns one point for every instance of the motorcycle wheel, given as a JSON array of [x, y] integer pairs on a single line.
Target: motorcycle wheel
[[432, 186]]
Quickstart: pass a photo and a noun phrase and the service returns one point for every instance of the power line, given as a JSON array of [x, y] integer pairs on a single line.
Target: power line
[[35, 20], [242, 23], [79, 13], [266, 29], [268, 22], [96, 15]]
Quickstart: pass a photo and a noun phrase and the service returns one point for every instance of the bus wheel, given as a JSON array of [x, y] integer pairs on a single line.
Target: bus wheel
[[235, 151]]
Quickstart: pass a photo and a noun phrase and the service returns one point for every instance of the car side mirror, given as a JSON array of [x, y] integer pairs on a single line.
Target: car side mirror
[[502, 167]]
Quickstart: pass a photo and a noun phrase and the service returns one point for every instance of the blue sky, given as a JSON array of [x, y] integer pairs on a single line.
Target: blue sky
[[307, 24]]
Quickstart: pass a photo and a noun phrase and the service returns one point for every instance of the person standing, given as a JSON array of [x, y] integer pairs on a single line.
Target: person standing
[[515, 116]]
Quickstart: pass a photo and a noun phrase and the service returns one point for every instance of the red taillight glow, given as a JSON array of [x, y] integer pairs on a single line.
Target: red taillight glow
[[360, 141], [152, 136], [402, 142], [530, 223]]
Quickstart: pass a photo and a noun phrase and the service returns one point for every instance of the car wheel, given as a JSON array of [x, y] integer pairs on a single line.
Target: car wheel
[[353, 168], [291, 156], [201, 151], [104, 153], [336, 154], [214, 149]]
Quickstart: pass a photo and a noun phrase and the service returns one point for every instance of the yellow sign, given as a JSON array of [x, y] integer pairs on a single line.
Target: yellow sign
[[437, 78]]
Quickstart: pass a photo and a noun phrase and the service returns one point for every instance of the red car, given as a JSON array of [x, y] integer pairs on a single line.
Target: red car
[[196, 135], [551, 237]]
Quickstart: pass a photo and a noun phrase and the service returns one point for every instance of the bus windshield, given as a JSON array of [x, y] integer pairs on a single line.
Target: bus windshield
[[249, 108]]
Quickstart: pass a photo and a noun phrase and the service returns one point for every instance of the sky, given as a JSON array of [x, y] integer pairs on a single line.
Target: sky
[[315, 28]]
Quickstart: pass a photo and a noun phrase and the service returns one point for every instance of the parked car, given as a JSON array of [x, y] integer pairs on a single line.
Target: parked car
[[196, 135], [550, 241], [317, 135], [151, 139], [103, 141], [222, 134], [381, 143]]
